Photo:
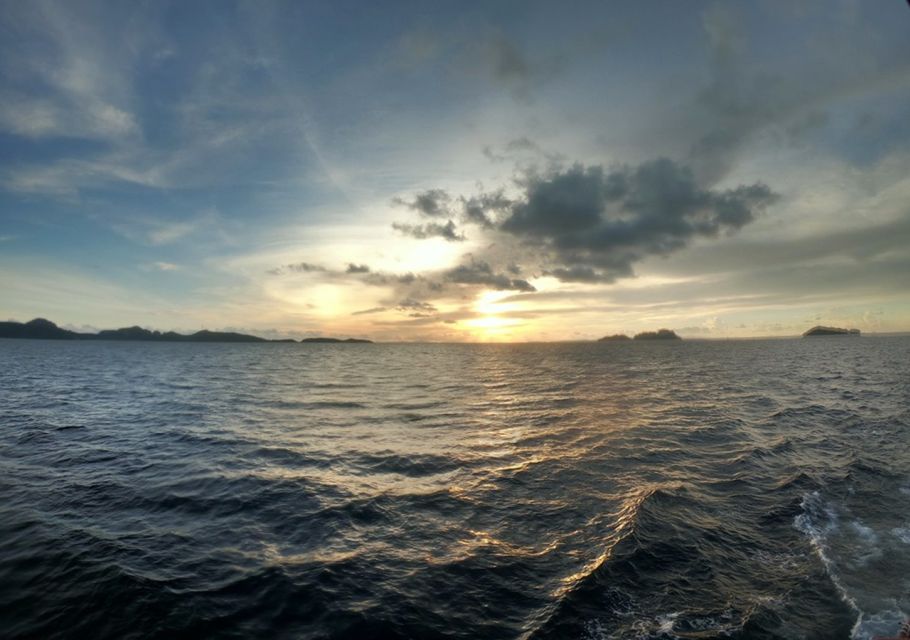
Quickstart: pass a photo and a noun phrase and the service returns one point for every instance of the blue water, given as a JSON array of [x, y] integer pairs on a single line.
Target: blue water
[[747, 489]]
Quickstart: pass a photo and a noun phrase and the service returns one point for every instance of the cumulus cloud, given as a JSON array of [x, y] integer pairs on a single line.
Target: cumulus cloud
[[432, 203], [595, 224], [447, 231]]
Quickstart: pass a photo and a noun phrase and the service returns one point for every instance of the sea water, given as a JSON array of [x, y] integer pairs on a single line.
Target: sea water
[[694, 489]]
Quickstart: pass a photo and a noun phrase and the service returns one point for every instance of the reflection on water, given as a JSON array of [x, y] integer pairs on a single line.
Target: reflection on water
[[612, 490]]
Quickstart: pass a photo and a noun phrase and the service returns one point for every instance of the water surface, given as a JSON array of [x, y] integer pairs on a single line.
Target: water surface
[[747, 489]]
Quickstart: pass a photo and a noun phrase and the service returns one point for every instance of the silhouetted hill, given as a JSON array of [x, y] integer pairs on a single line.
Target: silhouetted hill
[[830, 331], [39, 328], [138, 333], [131, 333], [619, 337], [660, 334], [42, 329]]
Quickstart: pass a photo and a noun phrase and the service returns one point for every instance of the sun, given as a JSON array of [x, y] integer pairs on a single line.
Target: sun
[[494, 328], [490, 326]]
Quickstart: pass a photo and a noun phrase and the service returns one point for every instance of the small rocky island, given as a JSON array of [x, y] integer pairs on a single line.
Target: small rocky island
[[332, 340], [830, 331], [660, 334], [41, 329], [619, 337]]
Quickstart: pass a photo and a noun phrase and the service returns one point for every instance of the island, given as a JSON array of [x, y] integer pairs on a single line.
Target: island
[[41, 329], [660, 334], [830, 331], [618, 337]]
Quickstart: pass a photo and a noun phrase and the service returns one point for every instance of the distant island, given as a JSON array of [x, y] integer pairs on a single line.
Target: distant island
[[660, 334], [830, 331], [41, 329], [619, 337], [336, 340]]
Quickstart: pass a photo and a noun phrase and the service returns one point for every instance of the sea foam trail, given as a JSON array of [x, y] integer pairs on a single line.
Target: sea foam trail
[[821, 522]]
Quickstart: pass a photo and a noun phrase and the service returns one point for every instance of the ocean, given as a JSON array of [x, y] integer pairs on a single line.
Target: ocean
[[696, 489]]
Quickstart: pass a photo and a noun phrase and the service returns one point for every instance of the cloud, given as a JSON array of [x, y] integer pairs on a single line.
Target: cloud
[[165, 266], [481, 273], [410, 304], [414, 309], [432, 203], [168, 233], [483, 209], [446, 231], [594, 225], [364, 312], [298, 267], [357, 268]]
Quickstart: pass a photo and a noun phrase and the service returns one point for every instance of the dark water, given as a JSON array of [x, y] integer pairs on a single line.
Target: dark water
[[755, 489]]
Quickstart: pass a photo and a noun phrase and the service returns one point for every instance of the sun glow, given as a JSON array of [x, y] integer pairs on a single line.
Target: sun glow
[[494, 328], [490, 325], [488, 303]]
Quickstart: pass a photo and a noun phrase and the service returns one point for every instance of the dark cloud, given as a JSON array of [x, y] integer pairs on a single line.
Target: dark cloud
[[357, 268], [447, 231], [594, 225], [481, 273], [433, 203], [579, 274], [483, 209]]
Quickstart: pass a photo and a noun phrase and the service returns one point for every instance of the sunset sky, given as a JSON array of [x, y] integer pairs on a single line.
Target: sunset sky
[[456, 170]]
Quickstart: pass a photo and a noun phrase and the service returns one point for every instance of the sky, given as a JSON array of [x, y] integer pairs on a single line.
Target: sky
[[456, 171]]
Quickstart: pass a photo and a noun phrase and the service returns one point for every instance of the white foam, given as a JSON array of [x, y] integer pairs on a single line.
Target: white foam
[[869, 541], [666, 621], [902, 534], [881, 624], [807, 522]]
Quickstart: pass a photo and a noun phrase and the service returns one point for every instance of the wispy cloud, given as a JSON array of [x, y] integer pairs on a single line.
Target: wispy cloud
[[164, 266]]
